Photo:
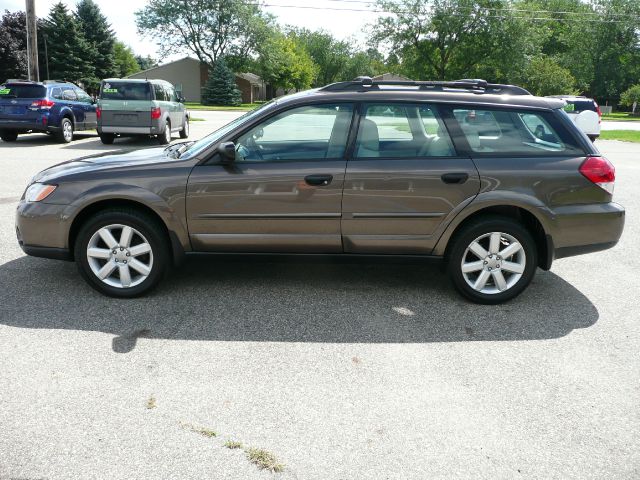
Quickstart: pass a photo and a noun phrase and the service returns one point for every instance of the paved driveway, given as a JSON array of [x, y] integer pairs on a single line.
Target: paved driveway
[[341, 371]]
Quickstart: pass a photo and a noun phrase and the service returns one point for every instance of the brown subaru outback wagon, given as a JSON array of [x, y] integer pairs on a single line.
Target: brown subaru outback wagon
[[488, 178]]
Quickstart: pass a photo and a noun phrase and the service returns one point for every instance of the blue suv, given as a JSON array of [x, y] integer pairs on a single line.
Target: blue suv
[[54, 107]]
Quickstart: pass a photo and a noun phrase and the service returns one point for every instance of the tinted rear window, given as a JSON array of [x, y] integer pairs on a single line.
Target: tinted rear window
[[23, 91], [578, 106], [125, 91]]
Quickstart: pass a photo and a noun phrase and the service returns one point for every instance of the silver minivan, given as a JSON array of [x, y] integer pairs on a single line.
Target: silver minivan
[[129, 107]]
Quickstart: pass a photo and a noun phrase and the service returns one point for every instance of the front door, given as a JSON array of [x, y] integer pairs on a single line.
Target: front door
[[405, 179], [282, 193]]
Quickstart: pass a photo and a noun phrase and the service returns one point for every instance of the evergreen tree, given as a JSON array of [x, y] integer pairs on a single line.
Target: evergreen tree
[[99, 36], [221, 88], [13, 46], [69, 53]]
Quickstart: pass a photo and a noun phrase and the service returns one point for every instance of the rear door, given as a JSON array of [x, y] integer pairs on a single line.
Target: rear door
[[126, 104], [89, 108], [174, 108], [282, 193], [70, 98], [403, 181]]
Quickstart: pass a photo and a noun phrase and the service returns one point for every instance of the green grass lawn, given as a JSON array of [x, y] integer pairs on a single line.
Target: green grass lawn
[[245, 107], [621, 117], [623, 135]]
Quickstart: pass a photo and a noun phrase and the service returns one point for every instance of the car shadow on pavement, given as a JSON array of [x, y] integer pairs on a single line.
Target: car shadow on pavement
[[242, 300]]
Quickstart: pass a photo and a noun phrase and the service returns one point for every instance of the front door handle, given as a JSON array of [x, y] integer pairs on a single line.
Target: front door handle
[[455, 177], [318, 180]]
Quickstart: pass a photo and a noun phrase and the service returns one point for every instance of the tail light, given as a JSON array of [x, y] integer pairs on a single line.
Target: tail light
[[43, 104], [600, 171], [155, 113], [598, 111], [98, 113]]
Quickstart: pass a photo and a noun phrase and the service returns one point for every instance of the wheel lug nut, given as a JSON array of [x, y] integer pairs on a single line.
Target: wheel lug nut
[[121, 249], [125, 262], [489, 268], [115, 251], [128, 254]]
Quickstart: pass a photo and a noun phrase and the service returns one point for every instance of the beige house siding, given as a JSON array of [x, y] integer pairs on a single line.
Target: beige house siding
[[184, 74]]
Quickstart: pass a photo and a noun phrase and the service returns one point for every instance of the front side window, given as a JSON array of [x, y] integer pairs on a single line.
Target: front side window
[[402, 131], [303, 133], [514, 132], [82, 96]]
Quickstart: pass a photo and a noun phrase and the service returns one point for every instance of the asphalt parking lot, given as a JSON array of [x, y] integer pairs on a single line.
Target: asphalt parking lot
[[341, 371]]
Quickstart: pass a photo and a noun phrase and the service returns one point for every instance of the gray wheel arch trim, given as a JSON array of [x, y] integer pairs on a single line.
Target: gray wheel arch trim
[[494, 199]]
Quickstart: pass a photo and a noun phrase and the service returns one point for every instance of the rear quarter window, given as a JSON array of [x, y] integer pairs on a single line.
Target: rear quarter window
[[23, 91], [515, 132], [125, 91]]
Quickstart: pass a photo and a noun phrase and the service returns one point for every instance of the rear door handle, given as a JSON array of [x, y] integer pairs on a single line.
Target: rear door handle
[[455, 177], [318, 180]]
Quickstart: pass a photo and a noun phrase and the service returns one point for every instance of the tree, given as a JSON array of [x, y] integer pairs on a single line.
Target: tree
[[221, 88], [124, 59], [631, 97], [210, 29], [145, 63], [543, 76], [69, 55], [13, 46], [99, 37], [285, 64]]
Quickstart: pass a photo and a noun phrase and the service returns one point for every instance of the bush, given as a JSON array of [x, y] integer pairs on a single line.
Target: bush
[[630, 98], [221, 88]]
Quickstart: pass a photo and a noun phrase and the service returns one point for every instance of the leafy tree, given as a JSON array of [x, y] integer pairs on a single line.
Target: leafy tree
[[221, 88], [210, 29], [13, 46], [543, 76], [125, 60], [284, 63], [631, 97], [145, 63], [99, 36], [69, 54]]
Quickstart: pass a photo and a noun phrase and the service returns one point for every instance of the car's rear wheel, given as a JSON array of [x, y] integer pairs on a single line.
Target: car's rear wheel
[[492, 260], [107, 138], [9, 136], [165, 137], [184, 133], [122, 253], [65, 135]]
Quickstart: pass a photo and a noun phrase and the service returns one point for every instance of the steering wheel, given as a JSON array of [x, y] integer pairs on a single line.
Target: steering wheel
[[254, 148]]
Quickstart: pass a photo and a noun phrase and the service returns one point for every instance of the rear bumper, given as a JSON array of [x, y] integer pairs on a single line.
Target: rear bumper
[[129, 130], [26, 125], [580, 229]]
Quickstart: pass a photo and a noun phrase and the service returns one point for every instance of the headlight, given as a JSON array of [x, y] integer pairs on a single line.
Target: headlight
[[38, 192]]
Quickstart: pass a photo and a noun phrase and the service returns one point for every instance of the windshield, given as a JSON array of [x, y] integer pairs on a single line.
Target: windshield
[[214, 137], [125, 91], [22, 91]]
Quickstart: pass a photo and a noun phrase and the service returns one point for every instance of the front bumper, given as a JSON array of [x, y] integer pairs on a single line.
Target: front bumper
[[43, 229]]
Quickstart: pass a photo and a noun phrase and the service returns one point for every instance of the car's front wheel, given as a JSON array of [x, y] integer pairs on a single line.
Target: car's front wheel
[[492, 260], [122, 253]]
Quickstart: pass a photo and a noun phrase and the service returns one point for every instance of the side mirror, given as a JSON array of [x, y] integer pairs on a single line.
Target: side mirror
[[227, 151], [181, 99]]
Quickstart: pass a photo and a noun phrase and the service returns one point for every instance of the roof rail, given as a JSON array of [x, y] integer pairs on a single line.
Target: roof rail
[[19, 80], [364, 84]]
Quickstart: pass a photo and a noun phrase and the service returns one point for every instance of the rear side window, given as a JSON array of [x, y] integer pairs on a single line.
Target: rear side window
[[56, 93], [23, 91], [125, 91], [513, 132], [159, 92], [69, 94]]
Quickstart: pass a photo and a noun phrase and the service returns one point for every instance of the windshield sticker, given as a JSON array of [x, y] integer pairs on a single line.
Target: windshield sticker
[[5, 91]]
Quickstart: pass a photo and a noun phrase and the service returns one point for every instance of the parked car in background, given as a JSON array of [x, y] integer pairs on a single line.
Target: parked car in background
[[584, 112], [128, 107], [490, 180], [59, 108]]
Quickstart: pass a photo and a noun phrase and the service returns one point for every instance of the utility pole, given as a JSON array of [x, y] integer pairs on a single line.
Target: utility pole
[[32, 41]]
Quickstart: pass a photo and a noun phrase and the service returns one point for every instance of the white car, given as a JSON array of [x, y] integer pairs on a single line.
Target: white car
[[584, 112]]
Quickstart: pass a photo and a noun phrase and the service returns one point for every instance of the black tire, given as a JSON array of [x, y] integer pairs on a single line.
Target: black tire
[[9, 136], [472, 231], [184, 133], [592, 138], [107, 138], [66, 126], [148, 226], [165, 137]]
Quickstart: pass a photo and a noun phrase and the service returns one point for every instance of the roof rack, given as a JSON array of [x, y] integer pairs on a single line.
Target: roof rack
[[364, 84]]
